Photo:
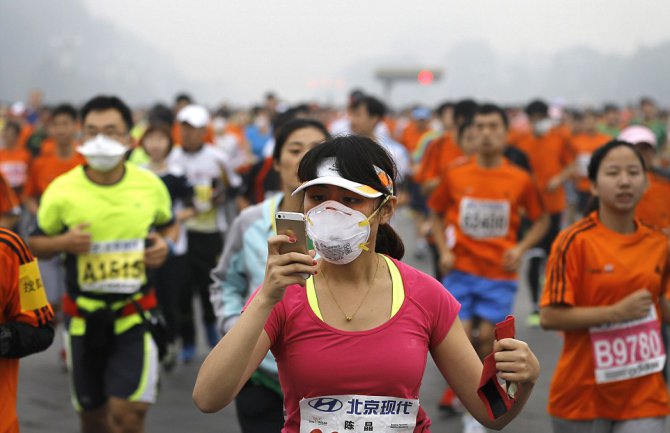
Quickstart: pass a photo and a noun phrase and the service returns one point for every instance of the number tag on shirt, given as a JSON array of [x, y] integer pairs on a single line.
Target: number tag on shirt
[[358, 414], [205, 220], [112, 267], [627, 350], [481, 219]]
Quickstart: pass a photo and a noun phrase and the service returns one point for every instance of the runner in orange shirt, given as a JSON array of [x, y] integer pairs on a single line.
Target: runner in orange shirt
[[25, 320], [44, 169], [443, 151], [47, 167], [584, 144], [551, 160], [10, 209], [654, 207], [480, 201], [606, 280], [14, 159], [418, 125]]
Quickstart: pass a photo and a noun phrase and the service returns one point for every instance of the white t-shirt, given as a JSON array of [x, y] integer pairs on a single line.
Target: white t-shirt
[[205, 170]]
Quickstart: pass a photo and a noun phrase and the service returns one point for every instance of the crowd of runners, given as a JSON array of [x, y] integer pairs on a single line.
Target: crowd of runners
[[113, 221]]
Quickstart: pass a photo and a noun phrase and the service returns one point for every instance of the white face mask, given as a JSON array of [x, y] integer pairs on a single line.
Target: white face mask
[[543, 126], [102, 153], [339, 233]]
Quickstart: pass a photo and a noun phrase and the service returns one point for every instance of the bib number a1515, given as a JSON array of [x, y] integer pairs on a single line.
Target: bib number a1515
[[112, 267]]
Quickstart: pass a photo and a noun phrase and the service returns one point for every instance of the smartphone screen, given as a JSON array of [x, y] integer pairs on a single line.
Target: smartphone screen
[[292, 224]]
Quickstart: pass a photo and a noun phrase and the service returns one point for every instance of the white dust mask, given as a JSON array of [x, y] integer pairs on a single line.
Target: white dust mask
[[339, 233], [543, 126], [102, 153]]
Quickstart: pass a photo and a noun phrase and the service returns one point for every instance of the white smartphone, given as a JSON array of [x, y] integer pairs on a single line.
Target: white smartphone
[[292, 224]]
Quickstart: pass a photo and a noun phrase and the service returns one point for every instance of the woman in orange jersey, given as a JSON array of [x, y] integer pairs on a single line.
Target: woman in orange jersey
[[606, 279]]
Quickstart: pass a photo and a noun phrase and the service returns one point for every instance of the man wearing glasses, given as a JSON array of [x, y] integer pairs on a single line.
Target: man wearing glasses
[[112, 221]]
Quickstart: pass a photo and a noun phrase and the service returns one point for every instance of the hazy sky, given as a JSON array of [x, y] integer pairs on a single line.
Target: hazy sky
[[303, 48]]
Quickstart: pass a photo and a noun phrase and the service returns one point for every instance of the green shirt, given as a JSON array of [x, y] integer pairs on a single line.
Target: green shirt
[[120, 218]]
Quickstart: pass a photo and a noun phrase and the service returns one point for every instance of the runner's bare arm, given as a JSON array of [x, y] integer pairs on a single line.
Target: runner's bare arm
[[8, 220], [76, 241], [232, 361], [569, 318], [535, 233], [461, 367]]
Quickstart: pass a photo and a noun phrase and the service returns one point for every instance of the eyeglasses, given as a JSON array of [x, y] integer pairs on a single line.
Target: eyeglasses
[[108, 132]]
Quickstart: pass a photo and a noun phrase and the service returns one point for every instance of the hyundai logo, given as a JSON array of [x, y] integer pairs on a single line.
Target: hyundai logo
[[326, 404]]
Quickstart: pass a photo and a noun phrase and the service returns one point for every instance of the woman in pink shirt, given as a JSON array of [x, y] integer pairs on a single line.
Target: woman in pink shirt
[[351, 341]]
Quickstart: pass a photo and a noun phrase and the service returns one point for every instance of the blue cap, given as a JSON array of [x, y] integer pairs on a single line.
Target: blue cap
[[421, 113]]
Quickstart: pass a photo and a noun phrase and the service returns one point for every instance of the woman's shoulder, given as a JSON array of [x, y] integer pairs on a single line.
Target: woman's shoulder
[[417, 284], [576, 233]]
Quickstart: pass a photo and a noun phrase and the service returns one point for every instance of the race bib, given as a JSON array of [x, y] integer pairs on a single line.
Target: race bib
[[628, 350], [481, 219], [112, 267], [15, 172], [583, 160], [358, 414], [205, 220]]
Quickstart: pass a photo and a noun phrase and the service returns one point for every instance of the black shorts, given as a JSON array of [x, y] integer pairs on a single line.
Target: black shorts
[[129, 371]]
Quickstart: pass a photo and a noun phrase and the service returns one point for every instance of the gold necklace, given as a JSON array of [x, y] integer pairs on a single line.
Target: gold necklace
[[347, 317]]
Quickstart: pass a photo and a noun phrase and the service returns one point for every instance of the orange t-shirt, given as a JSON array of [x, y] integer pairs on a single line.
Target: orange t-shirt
[[9, 203], [591, 265], [654, 207], [27, 131], [48, 146], [21, 300], [45, 169], [439, 154], [484, 207], [584, 145], [549, 155], [14, 164], [411, 136]]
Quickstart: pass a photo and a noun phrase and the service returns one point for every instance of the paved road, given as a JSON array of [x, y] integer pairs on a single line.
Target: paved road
[[44, 404]]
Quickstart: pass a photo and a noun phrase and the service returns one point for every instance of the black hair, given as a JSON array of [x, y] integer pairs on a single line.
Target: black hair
[[610, 107], [464, 110], [65, 109], [183, 97], [355, 158], [462, 127], [537, 107], [647, 100], [443, 107], [284, 132], [160, 114], [280, 119], [16, 126], [493, 109], [600, 154], [373, 106], [105, 102]]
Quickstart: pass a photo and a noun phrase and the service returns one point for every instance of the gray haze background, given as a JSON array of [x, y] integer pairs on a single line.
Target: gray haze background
[[583, 51]]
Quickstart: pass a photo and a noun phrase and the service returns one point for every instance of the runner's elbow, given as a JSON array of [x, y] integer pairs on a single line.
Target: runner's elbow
[[206, 404], [548, 319]]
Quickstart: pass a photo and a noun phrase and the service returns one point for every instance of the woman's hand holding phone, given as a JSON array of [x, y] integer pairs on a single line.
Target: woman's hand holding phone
[[282, 270]]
